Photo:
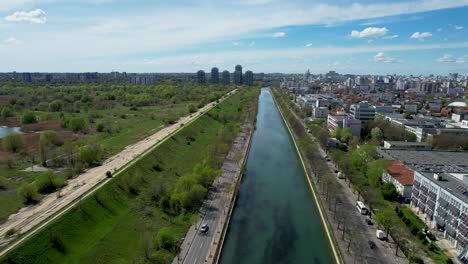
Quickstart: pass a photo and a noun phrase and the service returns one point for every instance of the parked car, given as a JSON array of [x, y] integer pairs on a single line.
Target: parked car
[[380, 234], [204, 228], [371, 244], [335, 171]]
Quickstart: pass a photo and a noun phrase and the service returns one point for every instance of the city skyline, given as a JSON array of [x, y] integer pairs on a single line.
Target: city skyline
[[364, 37]]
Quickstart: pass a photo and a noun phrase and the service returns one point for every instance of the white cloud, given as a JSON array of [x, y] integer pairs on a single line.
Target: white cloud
[[308, 45], [369, 32], [446, 58], [279, 35], [390, 37], [251, 44], [11, 41], [439, 30], [458, 27], [235, 43], [381, 57], [34, 17], [421, 35], [461, 60]]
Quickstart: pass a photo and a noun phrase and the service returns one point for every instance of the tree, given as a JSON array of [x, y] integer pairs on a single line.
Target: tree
[[77, 124], [407, 115], [42, 106], [165, 239], [387, 219], [389, 192], [346, 134], [28, 118], [354, 142], [46, 140], [56, 106], [377, 135], [307, 110], [336, 133], [6, 112], [191, 108], [28, 193], [13, 142], [89, 154]]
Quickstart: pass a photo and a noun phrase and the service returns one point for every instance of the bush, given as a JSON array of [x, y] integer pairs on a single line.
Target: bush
[[89, 154], [108, 174], [416, 259], [165, 239], [6, 112], [47, 183], [56, 106], [414, 230], [13, 142], [28, 193], [10, 232], [191, 108], [42, 106], [77, 124], [420, 235], [28, 118]]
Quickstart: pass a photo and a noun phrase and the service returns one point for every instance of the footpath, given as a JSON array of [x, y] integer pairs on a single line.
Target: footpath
[[216, 211], [32, 218]]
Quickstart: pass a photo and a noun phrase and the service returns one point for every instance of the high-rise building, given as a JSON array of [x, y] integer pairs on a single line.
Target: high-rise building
[[201, 77], [362, 112], [226, 78], [238, 80], [214, 75], [249, 78]]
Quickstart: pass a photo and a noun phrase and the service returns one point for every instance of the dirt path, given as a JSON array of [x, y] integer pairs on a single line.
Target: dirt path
[[31, 218]]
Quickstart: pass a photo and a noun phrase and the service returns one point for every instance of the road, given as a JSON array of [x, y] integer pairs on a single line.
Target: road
[[33, 218], [200, 247]]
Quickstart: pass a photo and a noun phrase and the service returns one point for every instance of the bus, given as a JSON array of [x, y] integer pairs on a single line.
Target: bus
[[362, 209]]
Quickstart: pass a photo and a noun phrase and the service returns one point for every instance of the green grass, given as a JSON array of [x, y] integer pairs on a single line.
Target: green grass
[[112, 228], [414, 219]]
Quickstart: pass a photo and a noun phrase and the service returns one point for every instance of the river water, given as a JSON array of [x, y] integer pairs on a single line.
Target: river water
[[275, 219], [7, 130]]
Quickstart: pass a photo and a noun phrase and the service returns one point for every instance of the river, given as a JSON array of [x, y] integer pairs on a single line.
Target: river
[[275, 219]]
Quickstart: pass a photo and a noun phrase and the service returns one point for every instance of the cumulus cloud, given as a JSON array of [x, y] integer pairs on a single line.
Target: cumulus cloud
[[421, 35], [279, 35], [461, 59], [381, 57], [458, 27], [37, 16], [446, 58], [369, 32], [11, 41], [308, 45], [390, 37]]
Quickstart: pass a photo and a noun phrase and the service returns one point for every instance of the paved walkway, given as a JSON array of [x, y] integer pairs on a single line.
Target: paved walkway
[[200, 247], [52, 205]]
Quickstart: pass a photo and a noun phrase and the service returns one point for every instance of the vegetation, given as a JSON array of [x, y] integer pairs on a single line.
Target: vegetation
[[138, 216], [104, 117], [13, 142]]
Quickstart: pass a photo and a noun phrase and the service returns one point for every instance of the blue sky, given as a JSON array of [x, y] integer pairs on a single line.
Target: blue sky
[[361, 36]]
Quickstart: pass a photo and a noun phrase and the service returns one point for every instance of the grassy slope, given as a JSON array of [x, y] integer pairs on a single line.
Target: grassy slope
[[114, 230]]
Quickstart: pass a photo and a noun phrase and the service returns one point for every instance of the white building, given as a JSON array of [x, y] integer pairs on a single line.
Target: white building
[[362, 112]]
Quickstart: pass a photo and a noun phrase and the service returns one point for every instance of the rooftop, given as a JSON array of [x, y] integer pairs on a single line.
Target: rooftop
[[451, 184], [429, 160], [405, 143], [401, 173]]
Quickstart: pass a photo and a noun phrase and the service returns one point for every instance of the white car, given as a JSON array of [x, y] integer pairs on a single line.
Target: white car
[[204, 228]]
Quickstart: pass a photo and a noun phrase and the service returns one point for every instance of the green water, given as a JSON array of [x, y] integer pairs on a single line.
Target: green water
[[275, 219]]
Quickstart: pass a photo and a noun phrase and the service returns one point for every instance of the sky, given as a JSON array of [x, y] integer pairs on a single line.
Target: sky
[[416, 37]]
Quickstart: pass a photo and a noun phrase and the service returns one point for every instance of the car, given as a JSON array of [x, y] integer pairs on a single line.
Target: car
[[204, 228], [335, 171], [327, 159], [372, 245], [369, 222]]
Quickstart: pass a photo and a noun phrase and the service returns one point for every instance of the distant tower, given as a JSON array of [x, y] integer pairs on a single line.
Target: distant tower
[[201, 77], [249, 78], [238, 75], [226, 78], [307, 75], [214, 75]]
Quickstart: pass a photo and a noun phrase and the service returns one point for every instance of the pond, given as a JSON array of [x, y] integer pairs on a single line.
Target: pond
[[7, 130]]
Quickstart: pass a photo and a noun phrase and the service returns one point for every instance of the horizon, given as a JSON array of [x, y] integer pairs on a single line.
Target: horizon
[[418, 37]]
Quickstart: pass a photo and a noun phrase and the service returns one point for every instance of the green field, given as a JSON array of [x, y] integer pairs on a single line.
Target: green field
[[119, 223]]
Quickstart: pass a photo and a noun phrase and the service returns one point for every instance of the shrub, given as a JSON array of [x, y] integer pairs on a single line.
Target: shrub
[[108, 174], [6, 112], [191, 108], [10, 232], [28, 193], [42, 106], [420, 235], [165, 239], [13, 142], [56, 106], [47, 183], [77, 124], [416, 260], [414, 230], [49, 137], [432, 247], [28, 118], [89, 154]]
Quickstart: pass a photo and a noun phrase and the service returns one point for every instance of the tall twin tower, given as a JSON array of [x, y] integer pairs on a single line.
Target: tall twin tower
[[238, 77]]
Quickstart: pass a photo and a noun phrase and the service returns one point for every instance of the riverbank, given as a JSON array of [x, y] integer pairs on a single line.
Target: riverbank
[[326, 224]]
